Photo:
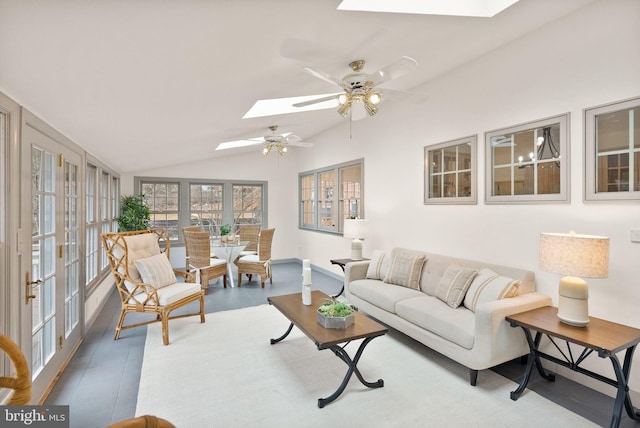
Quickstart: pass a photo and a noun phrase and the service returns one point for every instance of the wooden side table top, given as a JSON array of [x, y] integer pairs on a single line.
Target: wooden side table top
[[305, 318], [604, 336]]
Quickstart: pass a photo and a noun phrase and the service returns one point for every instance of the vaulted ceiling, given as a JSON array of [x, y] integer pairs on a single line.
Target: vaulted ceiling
[[142, 83]]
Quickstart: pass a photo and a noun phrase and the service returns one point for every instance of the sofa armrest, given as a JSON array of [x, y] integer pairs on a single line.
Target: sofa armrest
[[355, 270], [494, 334]]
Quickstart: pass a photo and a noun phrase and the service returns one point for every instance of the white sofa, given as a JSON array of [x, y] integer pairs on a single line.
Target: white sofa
[[478, 338]]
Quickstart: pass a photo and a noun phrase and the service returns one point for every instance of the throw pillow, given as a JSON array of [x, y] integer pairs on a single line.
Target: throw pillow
[[488, 286], [378, 266], [454, 284], [405, 270], [156, 270]]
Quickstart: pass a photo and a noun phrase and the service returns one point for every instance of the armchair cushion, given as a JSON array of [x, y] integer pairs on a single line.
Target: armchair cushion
[[156, 270], [168, 295]]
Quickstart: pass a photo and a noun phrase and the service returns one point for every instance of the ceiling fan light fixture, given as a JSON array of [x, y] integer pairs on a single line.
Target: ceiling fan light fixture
[[344, 109], [374, 97], [343, 99]]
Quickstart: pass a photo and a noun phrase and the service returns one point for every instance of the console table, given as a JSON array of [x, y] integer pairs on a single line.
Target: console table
[[342, 263], [604, 337]]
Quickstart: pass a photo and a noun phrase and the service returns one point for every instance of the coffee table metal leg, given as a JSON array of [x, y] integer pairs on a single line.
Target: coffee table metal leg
[[283, 336], [342, 354]]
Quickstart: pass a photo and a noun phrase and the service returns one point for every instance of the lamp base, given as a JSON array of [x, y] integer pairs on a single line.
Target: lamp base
[[356, 249], [573, 301]]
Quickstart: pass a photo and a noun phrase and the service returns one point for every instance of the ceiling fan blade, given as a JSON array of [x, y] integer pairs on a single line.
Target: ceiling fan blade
[[316, 101], [323, 76], [291, 138], [301, 144], [240, 143], [398, 68]]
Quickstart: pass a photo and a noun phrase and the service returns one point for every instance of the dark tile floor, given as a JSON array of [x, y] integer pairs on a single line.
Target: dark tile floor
[[100, 384]]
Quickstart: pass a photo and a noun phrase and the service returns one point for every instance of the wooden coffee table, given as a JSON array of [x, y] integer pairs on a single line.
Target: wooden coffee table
[[305, 318]]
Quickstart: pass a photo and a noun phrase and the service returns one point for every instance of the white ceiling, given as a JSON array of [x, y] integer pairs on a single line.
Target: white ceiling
[[142, 83]]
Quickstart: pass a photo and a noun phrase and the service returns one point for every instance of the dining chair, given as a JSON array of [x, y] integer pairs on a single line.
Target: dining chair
[[145, 279], [251, 234], [198, 258], [258, 264], [21, 382]]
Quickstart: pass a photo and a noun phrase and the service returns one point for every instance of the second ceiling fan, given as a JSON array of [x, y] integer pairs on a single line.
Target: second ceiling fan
[[273, 141]]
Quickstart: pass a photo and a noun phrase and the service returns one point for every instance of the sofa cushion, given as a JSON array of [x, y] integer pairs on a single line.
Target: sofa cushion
[[379, 265], [455, 325], [488, 286], [156, 270], [405, 270], [384, 296], [454, 284]]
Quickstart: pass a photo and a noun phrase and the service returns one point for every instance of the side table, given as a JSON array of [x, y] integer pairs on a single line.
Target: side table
[[342, 263], [604, 337]]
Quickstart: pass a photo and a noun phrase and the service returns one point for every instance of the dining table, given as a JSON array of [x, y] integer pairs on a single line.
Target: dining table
[[228, 251]]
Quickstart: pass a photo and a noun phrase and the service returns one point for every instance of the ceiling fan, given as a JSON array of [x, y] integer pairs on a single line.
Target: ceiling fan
[[361, 94], [269, 142]]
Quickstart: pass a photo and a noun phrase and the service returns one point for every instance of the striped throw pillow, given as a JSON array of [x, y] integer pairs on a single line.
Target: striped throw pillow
[[156, 270], [488, 286]]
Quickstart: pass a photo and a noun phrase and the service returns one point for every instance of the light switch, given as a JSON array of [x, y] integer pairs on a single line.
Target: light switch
[[635, 235]]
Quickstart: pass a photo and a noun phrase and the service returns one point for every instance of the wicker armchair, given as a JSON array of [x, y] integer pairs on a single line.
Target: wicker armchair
[[146, 282], [198, 250], [258, 264], [21, 383]]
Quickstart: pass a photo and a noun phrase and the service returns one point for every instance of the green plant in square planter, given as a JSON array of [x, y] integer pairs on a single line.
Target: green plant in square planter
[[336, 314]]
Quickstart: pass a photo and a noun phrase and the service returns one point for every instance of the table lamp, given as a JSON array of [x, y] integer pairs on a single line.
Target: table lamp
[[576, 256], [356, 229]]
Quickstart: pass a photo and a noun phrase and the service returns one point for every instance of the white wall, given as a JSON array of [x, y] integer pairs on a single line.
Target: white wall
[[585, 59]]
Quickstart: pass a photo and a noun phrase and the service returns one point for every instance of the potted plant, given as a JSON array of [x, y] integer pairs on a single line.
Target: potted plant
[[336, 314], [225, 230], [134, 213]]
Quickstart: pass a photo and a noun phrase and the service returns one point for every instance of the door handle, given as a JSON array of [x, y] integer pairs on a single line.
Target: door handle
[[27, 288]]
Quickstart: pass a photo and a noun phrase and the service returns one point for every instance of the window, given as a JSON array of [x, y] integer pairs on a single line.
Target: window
[[329, 195], [179, 202], [529, 162], [247, 204], [163, 200], [612, 151], [102, 211], [450, 172]]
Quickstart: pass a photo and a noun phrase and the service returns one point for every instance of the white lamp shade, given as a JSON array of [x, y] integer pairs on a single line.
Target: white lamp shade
[[585, 256], [355, 228], [575, 256]]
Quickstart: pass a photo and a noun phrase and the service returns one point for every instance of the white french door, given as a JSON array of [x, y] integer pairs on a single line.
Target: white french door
[[52, 291]]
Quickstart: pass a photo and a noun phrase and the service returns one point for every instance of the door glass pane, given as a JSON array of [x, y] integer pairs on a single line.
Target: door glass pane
[[71, 253]]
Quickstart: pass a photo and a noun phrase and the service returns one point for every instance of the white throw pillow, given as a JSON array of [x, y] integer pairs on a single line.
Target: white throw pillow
[[454, 284], [379, 265], [156, 270], [488, 286]]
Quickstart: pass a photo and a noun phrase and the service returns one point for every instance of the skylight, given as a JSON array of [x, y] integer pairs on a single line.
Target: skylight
[[285, 106], [477, 8]]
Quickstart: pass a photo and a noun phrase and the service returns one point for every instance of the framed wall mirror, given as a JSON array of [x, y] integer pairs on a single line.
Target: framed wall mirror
[[528, 163], [450, 172]]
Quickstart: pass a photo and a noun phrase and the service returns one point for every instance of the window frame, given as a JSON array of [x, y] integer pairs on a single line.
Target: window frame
[[184, 203], [472, 199], [563, 120], [105, 209], [590, 179], [336, 200]]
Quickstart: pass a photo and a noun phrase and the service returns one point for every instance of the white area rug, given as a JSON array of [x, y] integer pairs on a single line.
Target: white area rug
[[225, 373]]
